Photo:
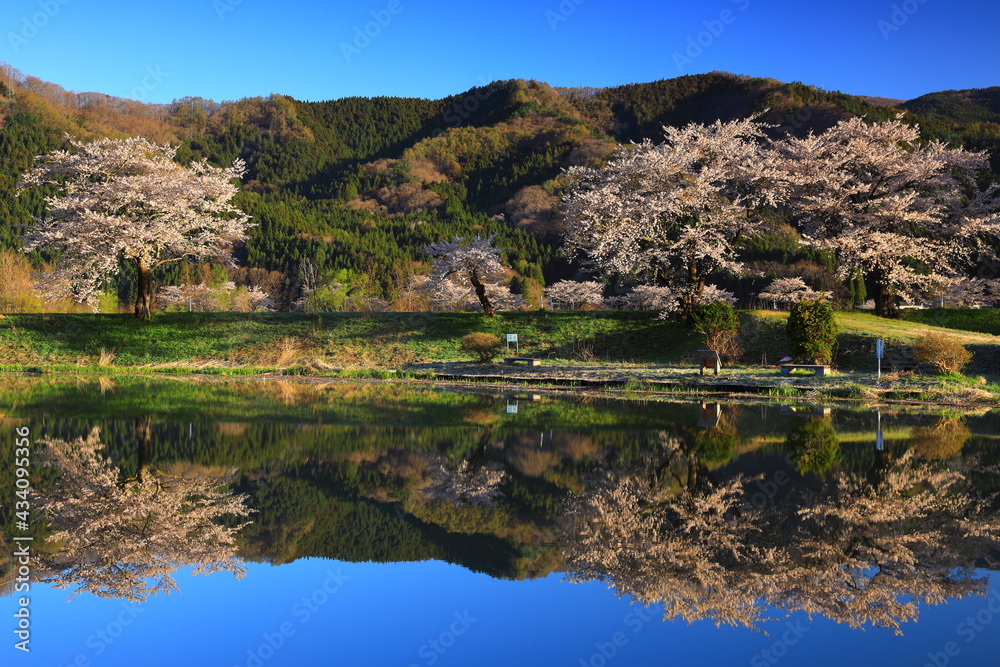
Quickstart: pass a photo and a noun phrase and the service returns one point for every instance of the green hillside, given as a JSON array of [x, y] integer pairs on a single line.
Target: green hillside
[[350, 190]]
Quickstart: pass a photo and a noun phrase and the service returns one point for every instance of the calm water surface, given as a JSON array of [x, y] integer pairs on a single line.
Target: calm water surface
[[283, 523]]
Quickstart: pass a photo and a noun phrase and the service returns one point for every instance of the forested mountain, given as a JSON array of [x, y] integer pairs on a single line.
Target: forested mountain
[[349, 190]]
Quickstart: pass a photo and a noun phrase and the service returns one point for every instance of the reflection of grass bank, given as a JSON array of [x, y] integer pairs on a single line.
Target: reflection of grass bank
[[621, 379]]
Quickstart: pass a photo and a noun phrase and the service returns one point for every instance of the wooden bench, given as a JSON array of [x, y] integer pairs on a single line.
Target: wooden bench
[[530, 361], [820, 369], [710, 359]]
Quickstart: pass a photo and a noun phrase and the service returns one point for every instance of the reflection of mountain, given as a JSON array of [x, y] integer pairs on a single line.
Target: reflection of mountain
[[306, 513]]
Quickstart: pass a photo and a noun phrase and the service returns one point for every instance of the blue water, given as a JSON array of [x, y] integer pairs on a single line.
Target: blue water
[[320, 612]]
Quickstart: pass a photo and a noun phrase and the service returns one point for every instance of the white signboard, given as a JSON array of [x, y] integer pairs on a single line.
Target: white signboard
[[879, 349], [511, 338]]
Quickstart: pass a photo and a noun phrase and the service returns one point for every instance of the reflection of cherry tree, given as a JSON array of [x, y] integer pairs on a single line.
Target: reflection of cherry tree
[[861, 551], [475, 480], [467, 484], [119, 539]]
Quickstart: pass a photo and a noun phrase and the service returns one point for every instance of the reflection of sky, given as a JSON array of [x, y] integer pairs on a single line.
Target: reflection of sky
[[387, 614]]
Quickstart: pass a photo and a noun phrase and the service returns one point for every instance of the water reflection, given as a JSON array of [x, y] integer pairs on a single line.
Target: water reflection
[[863, 548], [717, 511], [118, 536], [812, 443]]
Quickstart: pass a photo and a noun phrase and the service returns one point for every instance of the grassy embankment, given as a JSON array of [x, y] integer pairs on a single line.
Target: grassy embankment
[[262, 342], [627, 346]]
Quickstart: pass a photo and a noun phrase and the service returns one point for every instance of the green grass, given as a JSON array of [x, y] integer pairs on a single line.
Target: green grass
[[329, 340], [854, 323], [983, 320], [363, 343]]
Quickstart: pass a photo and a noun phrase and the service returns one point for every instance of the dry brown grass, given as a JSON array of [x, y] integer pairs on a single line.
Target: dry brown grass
[[106, 357], [583, 350], [290, 351]]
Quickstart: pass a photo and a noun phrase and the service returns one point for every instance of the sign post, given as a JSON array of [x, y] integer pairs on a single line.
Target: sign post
[[512, 338], [879, 440], [879, 353]]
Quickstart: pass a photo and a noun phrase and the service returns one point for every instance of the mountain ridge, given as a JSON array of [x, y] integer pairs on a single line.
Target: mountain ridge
[[355, 187]]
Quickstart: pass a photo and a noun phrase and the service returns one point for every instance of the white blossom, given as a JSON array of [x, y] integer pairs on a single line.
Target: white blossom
[[648, 297], [673, 213], [888, 205], [788, 291], [126, 199], [467, 485], [966, 293], [473, 263], [573, 294], [871, 549], [204, 298], [711, 294], [126, 539]]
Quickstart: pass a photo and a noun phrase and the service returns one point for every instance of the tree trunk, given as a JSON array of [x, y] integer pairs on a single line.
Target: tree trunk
[[885, 296], [144, 292], [144, 445], [481, 294], [691, 297]]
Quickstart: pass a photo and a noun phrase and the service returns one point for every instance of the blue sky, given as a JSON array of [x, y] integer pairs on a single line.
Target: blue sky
[[228, 49]]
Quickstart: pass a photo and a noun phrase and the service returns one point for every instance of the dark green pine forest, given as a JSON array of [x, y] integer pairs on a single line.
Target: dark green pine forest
[[350, 190]]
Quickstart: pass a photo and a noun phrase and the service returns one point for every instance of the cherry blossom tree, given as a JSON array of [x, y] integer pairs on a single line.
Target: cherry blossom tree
[[447, 295], [902, 212], [666, 300], [467, 484], [967, 293], [673, 213], [126, 199], [648, 297], [206, 298], [787, 291], [573, 294], [474, 262]]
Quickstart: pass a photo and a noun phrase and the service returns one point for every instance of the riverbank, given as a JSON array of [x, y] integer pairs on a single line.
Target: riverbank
[[634, 380], [630, 351]]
